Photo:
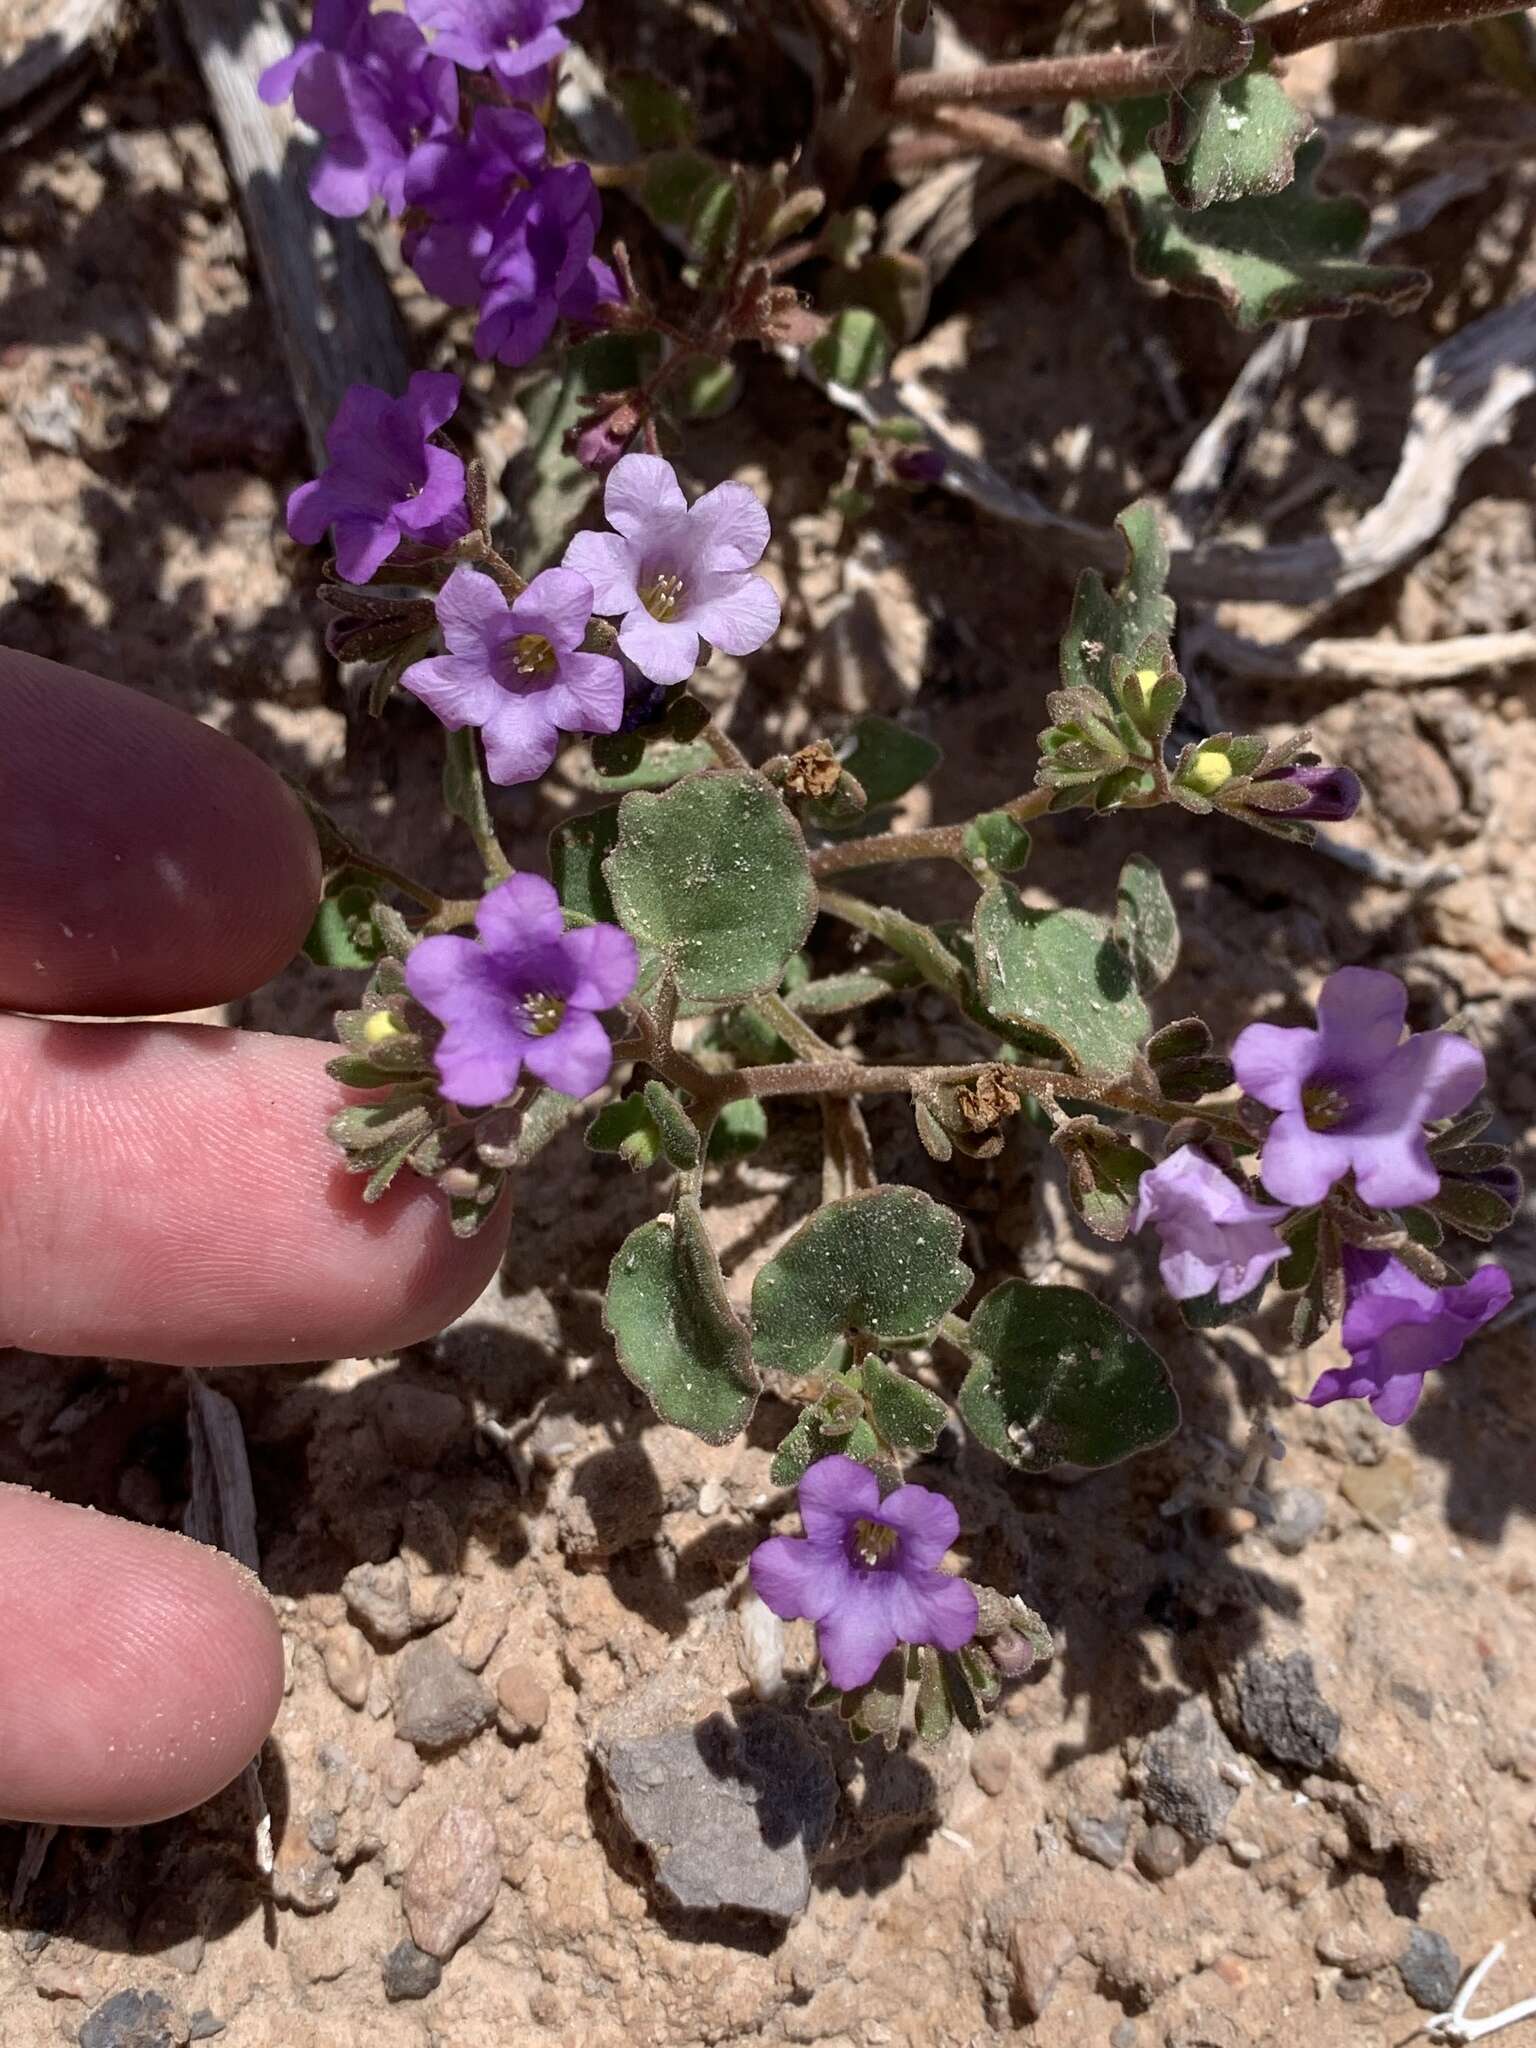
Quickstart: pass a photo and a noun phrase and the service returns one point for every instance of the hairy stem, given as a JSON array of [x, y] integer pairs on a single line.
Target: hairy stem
[[934, 842], [724, 748]]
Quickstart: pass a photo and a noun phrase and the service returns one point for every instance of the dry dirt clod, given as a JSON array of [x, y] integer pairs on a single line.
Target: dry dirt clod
[[1300, 1513], [437, 1702], [419, 1424], [522, 1703], [348, 1663], [1282, 1714], [400, 1773], [133, 2019], [991, 1762], [482, 1638], [1182, 1776], [379, 1597], [452, 1881], [409, 1972], [1380, 1492], [1038, 1952]]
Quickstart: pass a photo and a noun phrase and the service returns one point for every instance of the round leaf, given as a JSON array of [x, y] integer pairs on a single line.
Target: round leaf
[[713, 876], [1058, 1379], [678, 1338], [881, 1265], [1146, 923], [1060, 973]]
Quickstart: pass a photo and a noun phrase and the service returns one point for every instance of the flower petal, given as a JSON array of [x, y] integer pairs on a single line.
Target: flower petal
[[641, 496], [798, 1580], [1391, 1167], [857, 1636], [1435, 1074], [1272, 1063], [833, 1494], [729, 527], [609, 565], [472, 613], [431, 399], [927, 1521], [521, 741], [736, 614], [1360, 1015], [458, 689], [521, 912], [930, 1607], [588, 694], [558, 604], [480, 1053], [605, 961], [1299, 1165], [363, 544], [576, 1057], [1397, 1398], [663, 652]]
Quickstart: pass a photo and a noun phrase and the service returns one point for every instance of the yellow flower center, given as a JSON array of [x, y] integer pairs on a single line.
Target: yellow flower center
[[1323, 1107], [543, 1014], [662, 598], [532, 655], [1207, 773], [379, 1027], [873, 1542]]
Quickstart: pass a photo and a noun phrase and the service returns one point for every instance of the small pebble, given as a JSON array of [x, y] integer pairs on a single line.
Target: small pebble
[[322, 1831], [482, 1638], [1038, 1951], [1381, 1493], [452, 1880], [1102, 1840], [1430, 1969], [522, 1703], [204, 2024], [1299, 1515], [437, 1702], [409, 1972], [129, 2019], [1160, 1852], [991, 1762], [348, 1663], [401, 1773]]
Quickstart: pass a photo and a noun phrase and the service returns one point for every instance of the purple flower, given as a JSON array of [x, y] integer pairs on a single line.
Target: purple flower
[[1333, 794], [541, 268], [341, 26], [387, 480], [513, 39], [1397, 1328], [1213, 1233], [466, 186], [526, 996], [864, 1571], [517, 671], [1350, 1096], [677, 571], [373, 108]]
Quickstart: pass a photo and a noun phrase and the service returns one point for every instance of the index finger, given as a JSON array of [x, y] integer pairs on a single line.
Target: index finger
[[147, 863]]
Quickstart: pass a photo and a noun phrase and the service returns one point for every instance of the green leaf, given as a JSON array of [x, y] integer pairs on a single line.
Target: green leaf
[[673, 183], [1105, 623], [1058, 1379], [707, 388], [854, 351], [713, 877], [577, 850], [679, 1133], [887, 759], [1146, 923], [1103, 1173], [464, 783], [678, 1338], [659, 117], [933, 1714], [1061, 974], [1285, 256], [893, 286], [906, 1415], [628, 1128], [831, 994], [1476, 1211], [809, 1441], [915, 943], [1206, 1312], [738, 1130], [343, 933], [1230, 141], [996, 842], [880, 1265], [633, 760]]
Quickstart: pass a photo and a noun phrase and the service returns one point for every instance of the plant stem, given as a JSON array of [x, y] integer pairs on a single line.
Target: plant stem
[[794, 1030], [983, 133], [934, 842], [724, 748], [1133, 74]]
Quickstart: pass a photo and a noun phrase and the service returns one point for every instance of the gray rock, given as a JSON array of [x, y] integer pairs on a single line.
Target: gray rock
[[1103, 1840], [378, 1598], [1299, 1515], [733, 1814], [409, 1972], [129, 2019], [438, 1702], [1186, 1775], [1430, 1969], [452, 1881], [1283, 1715], [1160, 1853], [204, 2025]]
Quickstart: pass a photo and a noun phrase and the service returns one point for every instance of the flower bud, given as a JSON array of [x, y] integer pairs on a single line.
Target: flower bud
[[919, 466], [602, 435], [1333, 794], [1209, 771]]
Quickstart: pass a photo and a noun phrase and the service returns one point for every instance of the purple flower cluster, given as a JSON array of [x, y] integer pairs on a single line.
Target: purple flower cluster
[[492, 223], [866, 1570], [527, 996], [1353, 1096]]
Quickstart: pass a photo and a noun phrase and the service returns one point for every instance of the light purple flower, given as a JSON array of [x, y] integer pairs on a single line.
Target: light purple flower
[[677, 572], [341, 26], [1214, 1234], [526, 996], [373, 109], [517, 671], [1350, 1096], [1397, 1328], [1333, 794], [864, 1571], [513, 39], [387, 480]]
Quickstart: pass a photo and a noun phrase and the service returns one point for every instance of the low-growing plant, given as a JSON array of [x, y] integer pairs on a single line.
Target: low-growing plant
[[708, 940]]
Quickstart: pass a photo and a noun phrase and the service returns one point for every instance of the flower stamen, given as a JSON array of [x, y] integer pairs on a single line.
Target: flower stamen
[[1323, 1107], [872, 1543], [543, 1014], [662, 597], [532, 655]]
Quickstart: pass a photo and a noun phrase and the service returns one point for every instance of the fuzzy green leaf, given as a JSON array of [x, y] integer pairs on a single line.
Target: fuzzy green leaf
[[628, 1128], [1232, 140], [887, 759], [623, 761], [677, 1336], [854, 351], [712, 876], [658, 115], [1105, 623], [1059, 973], [1058, 1379], [679, 1133], [577, 850], [997, 842], [809, 1441], [1285, 256], [738, 1130], [1103, 1174], [906, 1415], [343, 933], [1146, 923], [881, 1265]]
